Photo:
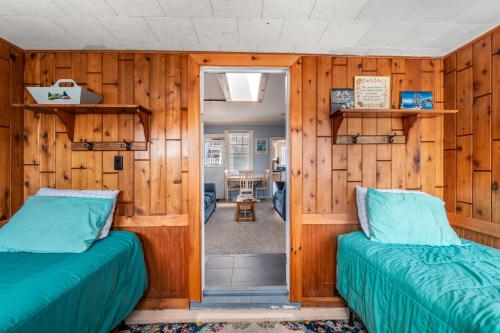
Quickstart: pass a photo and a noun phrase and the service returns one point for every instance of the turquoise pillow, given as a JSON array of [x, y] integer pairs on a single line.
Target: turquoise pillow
[[409, 218], [55, 225]]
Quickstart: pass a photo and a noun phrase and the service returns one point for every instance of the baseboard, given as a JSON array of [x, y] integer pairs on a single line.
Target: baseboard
[[323, 302], [163, 303]]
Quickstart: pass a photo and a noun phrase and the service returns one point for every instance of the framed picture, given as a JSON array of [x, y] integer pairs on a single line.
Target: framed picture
[[341, 99], [261, 146], [372, 92], [416, 100]]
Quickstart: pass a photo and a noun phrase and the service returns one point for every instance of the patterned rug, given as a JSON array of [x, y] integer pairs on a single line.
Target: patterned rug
[[322, 326]]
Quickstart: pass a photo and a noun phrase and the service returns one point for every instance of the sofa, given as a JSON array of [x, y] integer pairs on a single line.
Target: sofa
[[279, 199], [210, 200]]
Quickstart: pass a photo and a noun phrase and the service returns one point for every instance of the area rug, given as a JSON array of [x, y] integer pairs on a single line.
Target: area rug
[[322, 326], [225, 236]]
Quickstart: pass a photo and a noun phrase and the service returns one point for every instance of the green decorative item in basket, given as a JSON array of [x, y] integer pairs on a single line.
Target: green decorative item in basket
[[64, 95]]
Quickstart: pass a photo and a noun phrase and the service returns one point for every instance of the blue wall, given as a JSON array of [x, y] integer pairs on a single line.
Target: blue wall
[[260, 162]]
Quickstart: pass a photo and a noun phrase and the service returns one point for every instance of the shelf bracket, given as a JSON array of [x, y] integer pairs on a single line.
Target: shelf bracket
[[408, 123], [144, 119], [68, 119], [336, 122]]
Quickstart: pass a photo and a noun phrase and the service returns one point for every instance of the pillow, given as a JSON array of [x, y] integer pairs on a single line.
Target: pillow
[[55, 225], [52, 192], [409, 218], [363, 210]]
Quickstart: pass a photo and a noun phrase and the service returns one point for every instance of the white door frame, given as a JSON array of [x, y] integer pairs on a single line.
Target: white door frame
[[269, 70]]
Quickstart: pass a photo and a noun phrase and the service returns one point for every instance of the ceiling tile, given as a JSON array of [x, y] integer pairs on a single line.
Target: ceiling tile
[[173, 29], [272, 48], [86, 29], [136, 7], [337, 9], [157, 46], [24, 29], [287, 9], [33, 7], [5, 10], [253, 32], [219, 31], [85, 7], [386, 10], [385, 34], [426, 35], [237, 8], [462, 34], [350, 50], [384, 51], [480, 12], [132, 29], [186, 8], [427, 52], [303, 33], [436, 11], [344, 33]]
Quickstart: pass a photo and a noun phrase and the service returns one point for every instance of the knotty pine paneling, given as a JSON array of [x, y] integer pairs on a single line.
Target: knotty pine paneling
[[418, 164], [474, 87], [11, 130], [153, 182]]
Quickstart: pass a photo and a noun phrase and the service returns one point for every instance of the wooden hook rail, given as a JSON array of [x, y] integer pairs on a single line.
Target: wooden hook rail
[[109, 146]]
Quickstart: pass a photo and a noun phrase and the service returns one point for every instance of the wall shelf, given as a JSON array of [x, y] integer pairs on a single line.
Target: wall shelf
[[67, 112], [409, 118]]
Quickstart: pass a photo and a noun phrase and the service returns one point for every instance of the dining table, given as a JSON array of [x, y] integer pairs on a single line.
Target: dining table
[[236, 178]]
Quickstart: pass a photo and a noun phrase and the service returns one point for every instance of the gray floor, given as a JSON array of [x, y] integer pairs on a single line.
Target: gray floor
[[245, 270]]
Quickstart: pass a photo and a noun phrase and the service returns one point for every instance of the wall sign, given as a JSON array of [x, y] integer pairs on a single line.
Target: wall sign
[[372, 92]]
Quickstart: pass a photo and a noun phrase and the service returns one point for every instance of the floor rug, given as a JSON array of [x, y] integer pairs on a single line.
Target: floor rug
[[322, 326], [225, 236]]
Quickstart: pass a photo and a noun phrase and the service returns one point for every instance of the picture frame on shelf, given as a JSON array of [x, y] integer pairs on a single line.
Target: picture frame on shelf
[[416, 100], [341, 98], [372, 92]]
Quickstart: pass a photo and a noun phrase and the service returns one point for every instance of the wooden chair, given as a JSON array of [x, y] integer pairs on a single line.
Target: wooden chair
[[246, 182], [229, 187], [264, 185]]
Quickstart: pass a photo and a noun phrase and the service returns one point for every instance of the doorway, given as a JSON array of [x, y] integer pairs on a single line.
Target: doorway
[[244, 111]]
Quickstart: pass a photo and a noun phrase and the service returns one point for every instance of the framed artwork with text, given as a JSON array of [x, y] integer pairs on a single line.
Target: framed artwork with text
[[372, 92]]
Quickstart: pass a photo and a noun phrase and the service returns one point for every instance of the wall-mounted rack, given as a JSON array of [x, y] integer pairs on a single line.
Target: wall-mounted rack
[[109, 146], [67, 112], [409, 118]]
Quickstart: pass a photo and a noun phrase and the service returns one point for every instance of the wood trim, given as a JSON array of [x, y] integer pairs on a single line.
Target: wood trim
[[163, 303], [296, 181], [194, 195], [480, 226], [311, 302], [329, 219], [138, 221], [244, 59]]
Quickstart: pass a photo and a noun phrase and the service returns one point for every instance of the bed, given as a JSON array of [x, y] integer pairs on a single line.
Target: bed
[[412, 288], [91, 291]]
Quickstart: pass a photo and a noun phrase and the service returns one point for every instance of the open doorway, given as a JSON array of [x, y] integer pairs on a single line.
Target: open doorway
[[245, 177]]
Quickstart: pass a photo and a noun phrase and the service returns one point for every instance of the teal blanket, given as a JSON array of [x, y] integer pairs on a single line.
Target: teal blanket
[[412, 288], [83, 292]]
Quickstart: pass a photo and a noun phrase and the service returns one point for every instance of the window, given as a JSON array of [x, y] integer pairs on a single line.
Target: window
[[213, 152], [239, 151], [243, 87]]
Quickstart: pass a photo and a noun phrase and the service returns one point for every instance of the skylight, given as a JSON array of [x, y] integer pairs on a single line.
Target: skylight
[[244, 87]]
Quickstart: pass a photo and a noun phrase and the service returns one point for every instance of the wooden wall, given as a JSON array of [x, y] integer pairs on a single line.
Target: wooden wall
[[11, 125], [152, 183], [472, 141], [155, 183], [331, 172]]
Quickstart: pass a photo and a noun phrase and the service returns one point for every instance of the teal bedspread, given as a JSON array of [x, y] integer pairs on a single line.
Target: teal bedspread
[[84, 292], [410, 288]]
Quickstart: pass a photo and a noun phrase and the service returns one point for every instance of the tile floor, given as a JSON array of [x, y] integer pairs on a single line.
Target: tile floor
[[245, 270]]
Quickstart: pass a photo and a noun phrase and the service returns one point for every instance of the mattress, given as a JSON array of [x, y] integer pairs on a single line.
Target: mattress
[[84, 292], [411, 288]]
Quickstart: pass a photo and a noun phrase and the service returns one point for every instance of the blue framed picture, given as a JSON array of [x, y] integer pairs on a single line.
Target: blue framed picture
[[416, 100]]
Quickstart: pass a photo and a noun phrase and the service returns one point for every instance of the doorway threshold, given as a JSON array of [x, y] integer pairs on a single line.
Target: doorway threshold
[[245, 297]]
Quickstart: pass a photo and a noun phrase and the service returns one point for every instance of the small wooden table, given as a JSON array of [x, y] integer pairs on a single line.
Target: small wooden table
[[248, 213]]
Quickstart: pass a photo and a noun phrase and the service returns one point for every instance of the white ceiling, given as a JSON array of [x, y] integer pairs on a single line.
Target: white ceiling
[[361, 27], [271, 111]]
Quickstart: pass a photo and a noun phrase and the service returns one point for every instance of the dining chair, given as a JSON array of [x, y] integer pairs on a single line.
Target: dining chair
[[230, 186], [246, 185], [264, 184]]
